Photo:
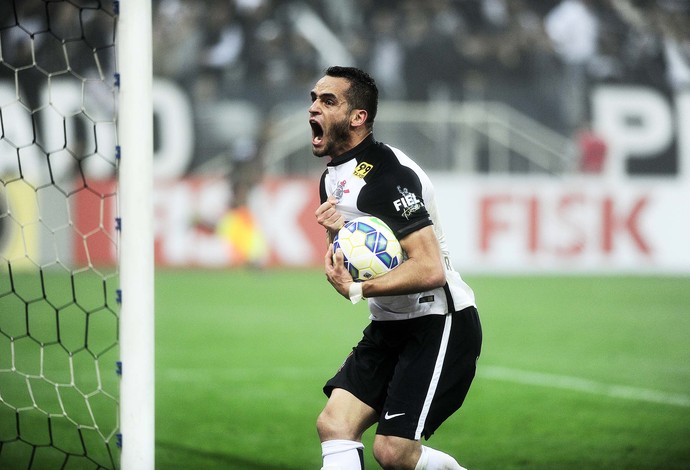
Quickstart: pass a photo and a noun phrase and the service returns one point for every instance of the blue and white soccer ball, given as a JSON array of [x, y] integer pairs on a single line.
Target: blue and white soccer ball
[[369, 246]]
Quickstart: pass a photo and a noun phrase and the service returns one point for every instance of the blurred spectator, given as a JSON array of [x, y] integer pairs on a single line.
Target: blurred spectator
[[592, 150], [280, 62], [432, 65], [673, 22], [516, 60], [573, 29], [17, 48], [631, 46], [222, 46], [386, 56], [177, 41]]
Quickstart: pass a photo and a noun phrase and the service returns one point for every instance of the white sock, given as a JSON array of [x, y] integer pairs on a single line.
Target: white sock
[[341, 454], [432, 459]]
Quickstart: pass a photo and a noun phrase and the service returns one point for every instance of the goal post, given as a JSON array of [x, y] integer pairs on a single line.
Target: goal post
[[135, 128], [76, 235]]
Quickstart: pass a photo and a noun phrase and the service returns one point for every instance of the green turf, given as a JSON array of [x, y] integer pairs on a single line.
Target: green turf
[[241, 356]]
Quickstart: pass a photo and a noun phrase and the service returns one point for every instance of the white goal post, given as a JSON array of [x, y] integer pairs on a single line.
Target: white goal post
[[76, 235], [135, 130]]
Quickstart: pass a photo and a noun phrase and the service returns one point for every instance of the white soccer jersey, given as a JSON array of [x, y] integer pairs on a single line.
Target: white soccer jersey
[[376, 179]]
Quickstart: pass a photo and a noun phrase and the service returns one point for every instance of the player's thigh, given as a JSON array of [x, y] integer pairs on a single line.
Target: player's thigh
[[459, 368], [345, 417], [368, 369], [433, 375]]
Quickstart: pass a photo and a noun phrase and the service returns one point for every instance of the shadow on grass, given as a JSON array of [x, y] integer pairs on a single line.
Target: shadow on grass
[[174, 456]]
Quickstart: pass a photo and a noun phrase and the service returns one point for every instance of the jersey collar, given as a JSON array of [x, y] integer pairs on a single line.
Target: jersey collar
[[354, 151]]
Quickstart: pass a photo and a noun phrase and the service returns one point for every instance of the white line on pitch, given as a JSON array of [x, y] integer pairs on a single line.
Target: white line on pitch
[[504, 374], [583, 385]]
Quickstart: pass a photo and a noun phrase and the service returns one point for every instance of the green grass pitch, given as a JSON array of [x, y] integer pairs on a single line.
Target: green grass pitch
[[576, 372]]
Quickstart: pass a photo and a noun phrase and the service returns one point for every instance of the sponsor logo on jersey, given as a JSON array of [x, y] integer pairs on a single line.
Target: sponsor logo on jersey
[[362, 169], [408, 203], [340, 190]]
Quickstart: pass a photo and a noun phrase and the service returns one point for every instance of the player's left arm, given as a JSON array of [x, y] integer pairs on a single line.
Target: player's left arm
[[421, 271]]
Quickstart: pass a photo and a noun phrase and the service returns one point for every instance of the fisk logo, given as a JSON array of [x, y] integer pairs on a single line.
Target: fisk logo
[[408, 203]]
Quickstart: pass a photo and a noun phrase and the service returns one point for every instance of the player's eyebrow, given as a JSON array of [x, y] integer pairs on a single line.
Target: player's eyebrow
[[323, 96]]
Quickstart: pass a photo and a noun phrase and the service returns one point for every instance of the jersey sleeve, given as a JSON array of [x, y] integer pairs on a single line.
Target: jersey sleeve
[[322, 188], [394, 194]]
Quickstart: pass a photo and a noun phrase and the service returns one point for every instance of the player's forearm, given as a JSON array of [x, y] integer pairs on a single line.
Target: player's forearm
[[411, 277], [420, 272]]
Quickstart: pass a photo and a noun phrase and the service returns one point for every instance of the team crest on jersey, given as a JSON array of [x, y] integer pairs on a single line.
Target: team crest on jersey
[[362, 169], [408, 203], [340, 190]]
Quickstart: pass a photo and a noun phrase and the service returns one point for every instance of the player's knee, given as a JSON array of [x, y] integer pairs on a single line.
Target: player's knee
[[390, 455], [324, 425], [330, 425], [385, 456]]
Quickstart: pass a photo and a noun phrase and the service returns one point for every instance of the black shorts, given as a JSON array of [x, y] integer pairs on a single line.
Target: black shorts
[[414, 373]]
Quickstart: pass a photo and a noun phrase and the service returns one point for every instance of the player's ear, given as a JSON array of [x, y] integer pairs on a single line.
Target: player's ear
[[358, 117]]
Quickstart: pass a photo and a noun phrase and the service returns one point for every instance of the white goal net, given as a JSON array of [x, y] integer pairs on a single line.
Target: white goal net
[[59, 310]]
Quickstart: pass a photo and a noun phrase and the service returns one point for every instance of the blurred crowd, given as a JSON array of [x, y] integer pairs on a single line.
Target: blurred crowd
[[42, 40], [540, 57], [270, 51]]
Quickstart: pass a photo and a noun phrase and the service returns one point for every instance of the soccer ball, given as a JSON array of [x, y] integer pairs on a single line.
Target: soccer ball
[[369, 247]]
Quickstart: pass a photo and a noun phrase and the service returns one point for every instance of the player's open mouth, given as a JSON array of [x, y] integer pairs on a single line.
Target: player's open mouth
[[316, 132]]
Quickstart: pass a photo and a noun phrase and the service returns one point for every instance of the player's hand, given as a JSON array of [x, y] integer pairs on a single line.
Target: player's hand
[[328, 216], [337, 275]]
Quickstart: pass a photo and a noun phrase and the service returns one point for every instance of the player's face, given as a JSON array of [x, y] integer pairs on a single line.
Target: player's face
[[329, 117]]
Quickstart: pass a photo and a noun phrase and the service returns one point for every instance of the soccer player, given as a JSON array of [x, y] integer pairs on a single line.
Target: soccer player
[[415, 363]]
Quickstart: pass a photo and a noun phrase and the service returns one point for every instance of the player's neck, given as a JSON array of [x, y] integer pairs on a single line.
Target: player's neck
[[354, 142]]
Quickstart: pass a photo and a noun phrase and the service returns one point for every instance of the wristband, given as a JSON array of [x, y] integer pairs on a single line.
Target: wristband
[[356, 292]]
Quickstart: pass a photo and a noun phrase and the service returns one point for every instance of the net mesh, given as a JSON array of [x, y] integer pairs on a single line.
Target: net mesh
[[58, 235]]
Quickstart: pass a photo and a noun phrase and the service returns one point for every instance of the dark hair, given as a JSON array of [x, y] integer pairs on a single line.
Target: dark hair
[[363, 93]]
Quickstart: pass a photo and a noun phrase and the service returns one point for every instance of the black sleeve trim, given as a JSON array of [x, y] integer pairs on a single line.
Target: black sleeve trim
[[408, 229], [322, 187]]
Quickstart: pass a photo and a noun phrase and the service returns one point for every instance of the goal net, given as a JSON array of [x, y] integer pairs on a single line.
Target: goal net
[[59, 297]]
